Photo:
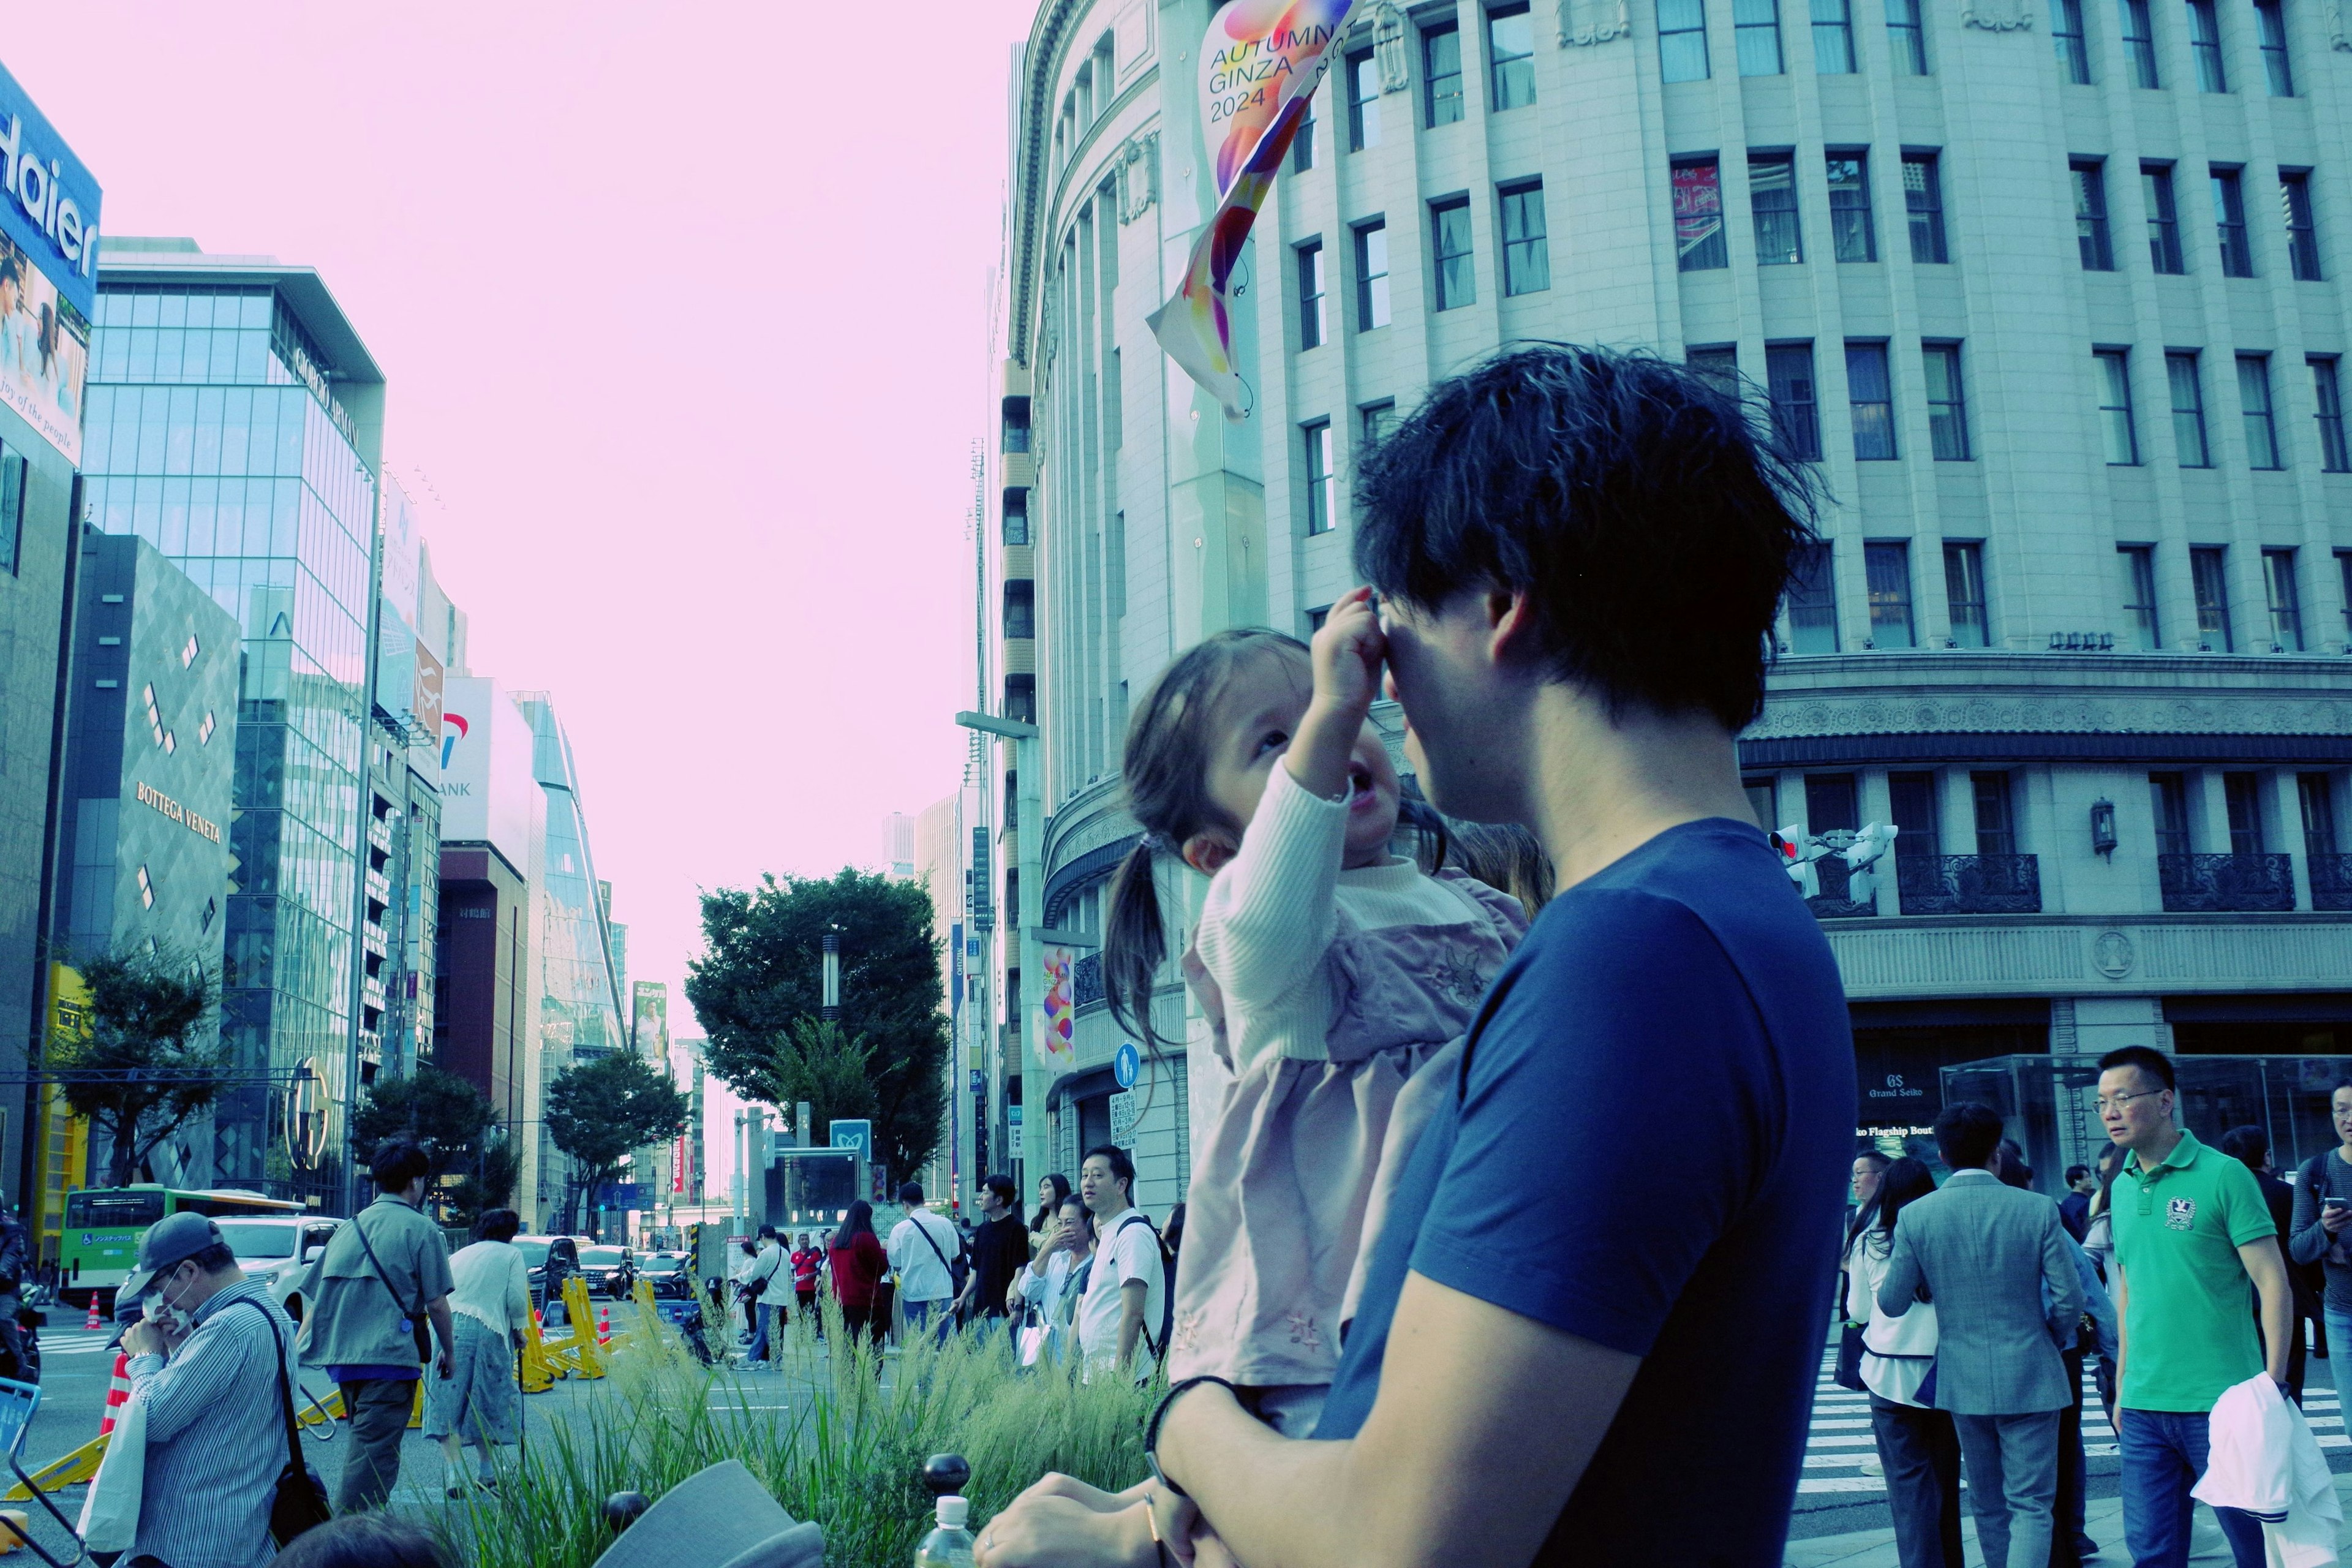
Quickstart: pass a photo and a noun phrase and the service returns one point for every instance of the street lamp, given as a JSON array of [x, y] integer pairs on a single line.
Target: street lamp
[[1029, 844]]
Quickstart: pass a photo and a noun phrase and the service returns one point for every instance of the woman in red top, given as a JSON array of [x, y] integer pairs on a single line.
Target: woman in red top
[[858, 1264]]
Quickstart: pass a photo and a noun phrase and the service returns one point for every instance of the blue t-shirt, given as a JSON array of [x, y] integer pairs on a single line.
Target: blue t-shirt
[[1648, 1148]]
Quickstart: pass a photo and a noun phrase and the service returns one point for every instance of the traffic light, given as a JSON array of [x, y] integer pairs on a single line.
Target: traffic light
[[1790, 844], [1862, 856]]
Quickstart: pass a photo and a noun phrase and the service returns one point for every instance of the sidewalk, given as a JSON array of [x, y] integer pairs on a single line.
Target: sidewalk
[[2104, 1518]]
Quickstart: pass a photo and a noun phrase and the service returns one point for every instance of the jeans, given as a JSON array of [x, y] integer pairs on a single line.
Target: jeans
[[378, 1409], [1921, 1454], [919, 1313], [2163, 1456], [2013, 1464], [764, 1318]]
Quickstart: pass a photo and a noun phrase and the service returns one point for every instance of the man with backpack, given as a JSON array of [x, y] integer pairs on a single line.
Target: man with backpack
[[924, 1250], [375, 1286], [1126, 1303]]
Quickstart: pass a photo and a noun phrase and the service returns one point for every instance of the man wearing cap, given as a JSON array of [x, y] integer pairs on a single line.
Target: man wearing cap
[[215, 1430], [383, 1276]]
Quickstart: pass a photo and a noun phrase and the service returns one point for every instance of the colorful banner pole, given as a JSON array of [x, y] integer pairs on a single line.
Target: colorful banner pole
[[1261, 62]]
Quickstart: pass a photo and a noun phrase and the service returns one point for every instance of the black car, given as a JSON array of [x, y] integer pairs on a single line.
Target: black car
[[611, 1270], [670, 1274], [552, 1260]]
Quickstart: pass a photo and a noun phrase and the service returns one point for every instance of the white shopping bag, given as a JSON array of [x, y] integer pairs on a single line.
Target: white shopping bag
[[110, 1514]]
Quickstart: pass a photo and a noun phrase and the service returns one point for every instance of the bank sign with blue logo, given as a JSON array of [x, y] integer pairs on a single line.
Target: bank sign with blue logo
[[48, 271]]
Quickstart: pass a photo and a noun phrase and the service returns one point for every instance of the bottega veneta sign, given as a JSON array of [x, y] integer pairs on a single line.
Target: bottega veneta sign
[[180, 814]]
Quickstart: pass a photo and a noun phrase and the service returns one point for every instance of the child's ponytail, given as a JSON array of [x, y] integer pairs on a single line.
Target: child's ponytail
[[1134, 943]]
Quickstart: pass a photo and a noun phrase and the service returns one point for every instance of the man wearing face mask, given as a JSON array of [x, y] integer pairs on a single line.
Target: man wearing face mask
[[216, 1431]]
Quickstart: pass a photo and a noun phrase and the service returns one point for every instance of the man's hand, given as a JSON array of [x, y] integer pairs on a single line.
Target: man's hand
[[1044, 1529], [142, 1338], [2335, 1220], [442, 1365]]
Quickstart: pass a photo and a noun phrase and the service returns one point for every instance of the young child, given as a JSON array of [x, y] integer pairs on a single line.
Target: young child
[[1328, 966]]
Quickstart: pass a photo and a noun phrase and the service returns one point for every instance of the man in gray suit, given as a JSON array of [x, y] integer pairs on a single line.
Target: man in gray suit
[[1994, 1261]]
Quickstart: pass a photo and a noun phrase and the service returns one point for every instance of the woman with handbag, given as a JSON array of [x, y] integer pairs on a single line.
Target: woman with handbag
[[1917, 1446], [857, 1262], [1046, 1290]]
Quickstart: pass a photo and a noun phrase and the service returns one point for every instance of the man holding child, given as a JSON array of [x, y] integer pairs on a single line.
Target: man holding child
[[1577, 556]]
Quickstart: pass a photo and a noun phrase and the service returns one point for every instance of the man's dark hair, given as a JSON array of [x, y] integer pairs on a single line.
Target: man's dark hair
[[1120, 1166], [1007, 1192], [2076, 1173], [498, 1225], [2249, 1145], [397, 1162], [1967, 1134], [910, 1193], [213, 1259], [1647, 511], [767, 1232], [364, 1541], [1876, 1158], [2154, 1063]]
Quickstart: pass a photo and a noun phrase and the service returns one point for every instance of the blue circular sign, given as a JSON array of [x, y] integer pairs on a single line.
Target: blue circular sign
[[1125, 1066]]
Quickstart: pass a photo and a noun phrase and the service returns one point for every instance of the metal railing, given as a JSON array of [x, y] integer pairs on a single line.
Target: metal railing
[[2211, 884], [1835, 900], [2331, 881], [1968, 884]]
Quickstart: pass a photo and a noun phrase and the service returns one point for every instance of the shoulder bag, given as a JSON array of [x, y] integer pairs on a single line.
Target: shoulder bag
[[925, 1232], [416, 1319], [300, 1502]]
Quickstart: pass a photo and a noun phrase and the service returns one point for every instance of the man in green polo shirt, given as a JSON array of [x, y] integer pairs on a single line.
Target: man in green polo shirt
[[2194, 1240]]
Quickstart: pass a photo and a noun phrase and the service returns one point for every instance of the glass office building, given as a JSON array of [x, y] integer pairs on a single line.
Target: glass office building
[[581, 1017], [235, 422]]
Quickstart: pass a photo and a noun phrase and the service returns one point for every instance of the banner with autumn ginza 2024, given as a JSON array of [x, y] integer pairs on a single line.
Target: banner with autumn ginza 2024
[[1261, 62]]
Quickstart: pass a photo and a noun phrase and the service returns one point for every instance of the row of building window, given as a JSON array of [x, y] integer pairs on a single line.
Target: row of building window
[[1700, 244], [2135, 36], [1527, 261], [1832, 803], [2166, 252], [1796, 405], [1755, 38], [1813, 598], [2184, 386]]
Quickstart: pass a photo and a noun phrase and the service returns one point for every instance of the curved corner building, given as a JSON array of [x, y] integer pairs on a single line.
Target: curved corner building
[[2053, 290]]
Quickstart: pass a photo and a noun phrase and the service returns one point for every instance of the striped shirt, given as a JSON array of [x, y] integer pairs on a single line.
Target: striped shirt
[[216, 1436]]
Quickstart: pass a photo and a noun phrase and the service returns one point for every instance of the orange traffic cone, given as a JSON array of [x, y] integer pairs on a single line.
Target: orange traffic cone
[[93, 1321], [605, 1326], [118, 1394]]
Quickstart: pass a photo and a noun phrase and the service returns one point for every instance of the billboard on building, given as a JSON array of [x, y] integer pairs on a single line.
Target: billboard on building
[[49, 271], [649, 1019], [486, 782]]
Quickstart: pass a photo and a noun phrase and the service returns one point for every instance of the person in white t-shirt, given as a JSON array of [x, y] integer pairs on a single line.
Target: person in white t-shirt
[[923, 1246], [767, 1272], [1120, 1316]]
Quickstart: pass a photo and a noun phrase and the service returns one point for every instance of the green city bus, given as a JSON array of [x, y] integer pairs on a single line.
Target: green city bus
[[103, 1225]]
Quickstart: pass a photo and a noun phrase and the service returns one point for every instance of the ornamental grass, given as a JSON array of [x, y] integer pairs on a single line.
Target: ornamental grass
[[845, 1449]]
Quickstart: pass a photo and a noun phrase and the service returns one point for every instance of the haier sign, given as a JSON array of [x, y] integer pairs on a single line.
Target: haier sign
[[48, 271]]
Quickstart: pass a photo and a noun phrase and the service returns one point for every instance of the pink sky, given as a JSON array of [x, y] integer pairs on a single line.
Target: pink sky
[[684, 311]]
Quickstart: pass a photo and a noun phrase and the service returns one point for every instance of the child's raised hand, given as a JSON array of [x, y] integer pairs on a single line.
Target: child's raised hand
[[1347, 654]]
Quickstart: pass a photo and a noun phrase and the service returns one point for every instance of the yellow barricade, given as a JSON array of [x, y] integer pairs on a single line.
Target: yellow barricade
[[74, 1469], [578, 1354], [539, 1374]]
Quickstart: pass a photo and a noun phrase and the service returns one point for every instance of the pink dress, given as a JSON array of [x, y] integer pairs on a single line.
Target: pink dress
[[1275, 1211]]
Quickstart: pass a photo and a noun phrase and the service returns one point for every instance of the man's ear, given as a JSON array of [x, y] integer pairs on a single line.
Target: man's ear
[[1510, 625], [1208, 852]]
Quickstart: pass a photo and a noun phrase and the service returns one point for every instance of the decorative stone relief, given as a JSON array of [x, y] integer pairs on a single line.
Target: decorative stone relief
[[2339, 24], [1137, 163], [1389, 31], [2111, 955], [1997, 16], [1583, 23]]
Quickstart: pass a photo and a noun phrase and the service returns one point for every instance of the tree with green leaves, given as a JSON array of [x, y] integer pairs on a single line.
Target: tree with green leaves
[[445, 1114], [604, 1109], [760, 978], [145, 1060]]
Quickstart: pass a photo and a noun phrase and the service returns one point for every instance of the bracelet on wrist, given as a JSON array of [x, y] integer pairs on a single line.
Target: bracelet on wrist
[[1159, 1416]]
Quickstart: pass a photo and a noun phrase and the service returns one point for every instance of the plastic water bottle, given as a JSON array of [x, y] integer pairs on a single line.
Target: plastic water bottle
[[950, 1545]]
